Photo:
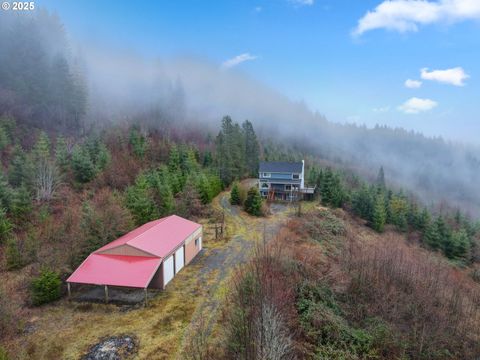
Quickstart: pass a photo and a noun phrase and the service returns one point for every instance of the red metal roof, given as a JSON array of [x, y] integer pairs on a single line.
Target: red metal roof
[[116, 270], [158, 237]]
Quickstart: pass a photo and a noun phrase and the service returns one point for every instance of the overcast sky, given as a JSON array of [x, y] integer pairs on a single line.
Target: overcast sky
[[408, 63]]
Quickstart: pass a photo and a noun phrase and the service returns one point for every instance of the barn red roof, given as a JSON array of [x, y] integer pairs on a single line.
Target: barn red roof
[[158, 238]]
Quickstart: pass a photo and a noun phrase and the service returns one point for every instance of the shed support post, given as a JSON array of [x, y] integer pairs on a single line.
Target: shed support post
[[146, 297], [106, 294], [68, 290]]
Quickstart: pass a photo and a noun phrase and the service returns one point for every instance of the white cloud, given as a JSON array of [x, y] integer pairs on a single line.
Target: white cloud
[[238, 60], [413, 84], [302, 2], [416, 105], [381, 109], [408, 15], [455, 76]]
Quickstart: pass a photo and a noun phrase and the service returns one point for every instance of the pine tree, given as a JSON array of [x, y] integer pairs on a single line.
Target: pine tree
[[174, 159], [379, 216], [398, 212], [5, 226], [82, 165], [381, 178], [460, 245], [253, 202], [252, 149], [235, 194], [432, 236], [21, 203], [13, 256], [139, 201], [138, 142], [61, 153], [41, 150], [6, 193], [20, 170]]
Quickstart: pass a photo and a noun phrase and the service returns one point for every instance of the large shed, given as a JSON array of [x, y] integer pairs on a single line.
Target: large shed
[[147, 257]]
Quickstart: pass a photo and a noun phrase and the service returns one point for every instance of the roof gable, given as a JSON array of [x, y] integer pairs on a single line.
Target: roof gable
[[158, 237], [281, 166]]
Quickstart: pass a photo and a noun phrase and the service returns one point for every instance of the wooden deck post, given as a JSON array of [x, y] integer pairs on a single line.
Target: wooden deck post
[[69, 291], [146, 297], [106, 294]]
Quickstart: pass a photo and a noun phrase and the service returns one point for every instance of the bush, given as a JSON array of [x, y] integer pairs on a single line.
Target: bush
[[45, 288], [3, 353]]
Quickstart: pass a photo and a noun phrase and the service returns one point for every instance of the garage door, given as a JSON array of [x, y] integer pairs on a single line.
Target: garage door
[[179, 259], [168, 270]]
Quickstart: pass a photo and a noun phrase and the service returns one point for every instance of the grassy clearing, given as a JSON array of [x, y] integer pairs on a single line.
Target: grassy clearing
[[65, 330]]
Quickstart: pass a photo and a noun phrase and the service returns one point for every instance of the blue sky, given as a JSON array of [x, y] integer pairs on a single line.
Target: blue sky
[[350, 66]]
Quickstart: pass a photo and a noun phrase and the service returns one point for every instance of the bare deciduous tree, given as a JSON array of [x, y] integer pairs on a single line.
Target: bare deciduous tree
[[47, 179]]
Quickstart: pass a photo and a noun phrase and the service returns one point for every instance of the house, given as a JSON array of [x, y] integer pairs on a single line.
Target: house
[[147, 257], [279, 180]]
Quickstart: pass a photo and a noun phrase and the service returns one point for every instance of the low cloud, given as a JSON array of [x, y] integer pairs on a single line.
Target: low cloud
[[238, 60], [416, 105], [413, 84], [382, 109], [455, 76], [407, 15]]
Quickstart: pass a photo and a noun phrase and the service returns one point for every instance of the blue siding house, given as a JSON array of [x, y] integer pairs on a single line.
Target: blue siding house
[[279, 180]]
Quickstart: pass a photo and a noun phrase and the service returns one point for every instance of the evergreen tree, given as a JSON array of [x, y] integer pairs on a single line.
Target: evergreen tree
[[381, 178], [21, 203], [235, 194], [139, 201], [4, 140], [253, 202], [363, 201], [432, 236], [13, 256], [379, 216], [189, 204], [331, 190], [423, 220], [174, 159], [252, 149], [399, 211], [138, 142], [45, 288], [5, 226], [460, 245], [82, 165], [6, 193], [41, 150], [61, 153], [20, 170]]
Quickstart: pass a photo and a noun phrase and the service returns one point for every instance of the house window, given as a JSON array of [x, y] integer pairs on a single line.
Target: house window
[[266, 175], [197, 242], [288, 187], [296, 176], [264, 185]]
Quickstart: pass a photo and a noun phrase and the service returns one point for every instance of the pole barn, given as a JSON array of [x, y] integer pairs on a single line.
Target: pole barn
[[147, 257]]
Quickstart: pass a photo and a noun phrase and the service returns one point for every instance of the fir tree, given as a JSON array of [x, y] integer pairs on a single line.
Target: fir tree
[[61, 153], [252, 149], [138, 142], [381, 178], [82, 165], [139, 201], [13, 256], [5, 226], [21, 203], [235, 194], [432, 236], [20, 170], [460, 245], [379, 216], [253, 202]]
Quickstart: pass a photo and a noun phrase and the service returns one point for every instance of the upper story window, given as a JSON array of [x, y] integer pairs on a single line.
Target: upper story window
[[296, 176], [266, 175]]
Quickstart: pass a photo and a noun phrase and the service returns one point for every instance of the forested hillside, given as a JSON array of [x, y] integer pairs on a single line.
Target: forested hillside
[[50, 81]]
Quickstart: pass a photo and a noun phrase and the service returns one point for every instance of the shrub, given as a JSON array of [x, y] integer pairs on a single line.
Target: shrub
[[45, 288], [3, 353]]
